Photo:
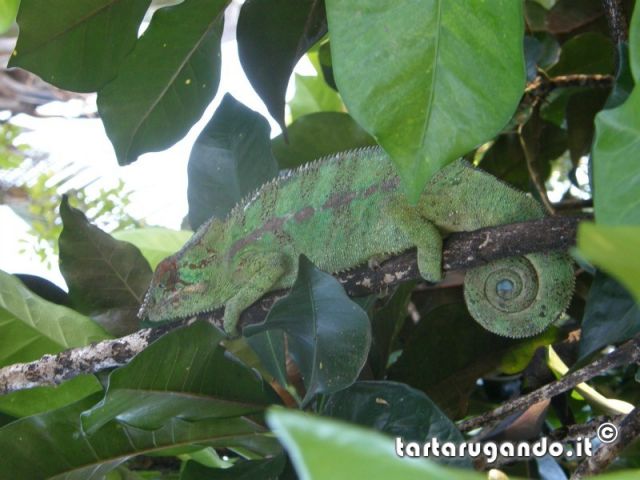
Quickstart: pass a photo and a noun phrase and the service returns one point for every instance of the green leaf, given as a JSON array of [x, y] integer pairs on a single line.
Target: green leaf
[[616, 152], [614, 249], [230, 160], [76, 44], [328, 334], [429, 80], [359, 453], [41, 399], [155, 243], [313, 95], [272, 37], [268, 469], [31, 326], [580, 114], [269, 346], [568, 15], [185, 374], [395, 409], [105, 276], [505, 160], [586, 53], [8, 10], [167, 81], [611, 316], [53, 443], [616, 156], [318, 135]]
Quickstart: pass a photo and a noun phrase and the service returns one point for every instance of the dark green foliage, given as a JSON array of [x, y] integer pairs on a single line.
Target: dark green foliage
[[230, 159]]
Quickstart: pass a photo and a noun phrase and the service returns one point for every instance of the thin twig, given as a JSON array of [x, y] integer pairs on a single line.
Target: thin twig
[[628, 432], [628, 353], [542, 85], [461, 251], [617, 21]]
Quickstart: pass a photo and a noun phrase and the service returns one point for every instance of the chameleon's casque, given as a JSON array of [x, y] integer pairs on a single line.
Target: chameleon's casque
[[344, 210]]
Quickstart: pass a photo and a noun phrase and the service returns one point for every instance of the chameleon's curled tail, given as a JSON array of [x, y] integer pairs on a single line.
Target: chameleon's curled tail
[[520, 296]]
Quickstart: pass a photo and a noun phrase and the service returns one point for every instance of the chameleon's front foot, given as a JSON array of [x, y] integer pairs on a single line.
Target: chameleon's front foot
[[231, 320]]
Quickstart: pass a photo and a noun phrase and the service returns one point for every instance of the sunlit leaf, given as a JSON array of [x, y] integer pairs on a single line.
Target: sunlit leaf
[[155, 243], [429, 80], [359, 453]]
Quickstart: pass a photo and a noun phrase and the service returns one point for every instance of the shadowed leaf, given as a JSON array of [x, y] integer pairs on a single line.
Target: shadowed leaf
[[81, 44], [328, 334], [167, 81], [272, 37], [105, 276], [317, 135], [230, 160], [185, 374]]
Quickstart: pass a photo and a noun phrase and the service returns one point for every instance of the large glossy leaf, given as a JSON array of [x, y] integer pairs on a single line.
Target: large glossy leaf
[[167, 81], [31, 326], [395, 409], [186, 375], [587, 53], [317, 135], [230, 159], [616, 151], [313, 95], [272, 36], [105, 276], [53, 444], [614, 249], [354, 452], [76, 44], [611, 316], [155, 243], [429, 80], [328, 334]]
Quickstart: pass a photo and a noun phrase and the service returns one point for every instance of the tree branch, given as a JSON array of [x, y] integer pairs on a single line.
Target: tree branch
[[616, 20], [628, 353], [461, 251], [628, 432]]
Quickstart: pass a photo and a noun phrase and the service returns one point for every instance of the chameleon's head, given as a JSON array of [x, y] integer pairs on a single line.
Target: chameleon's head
[[176, 291]]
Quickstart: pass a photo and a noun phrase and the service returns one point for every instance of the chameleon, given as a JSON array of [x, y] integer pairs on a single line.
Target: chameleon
[[345, 210]]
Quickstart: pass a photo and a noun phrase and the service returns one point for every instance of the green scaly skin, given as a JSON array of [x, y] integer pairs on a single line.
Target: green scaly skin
[[347, 209]]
